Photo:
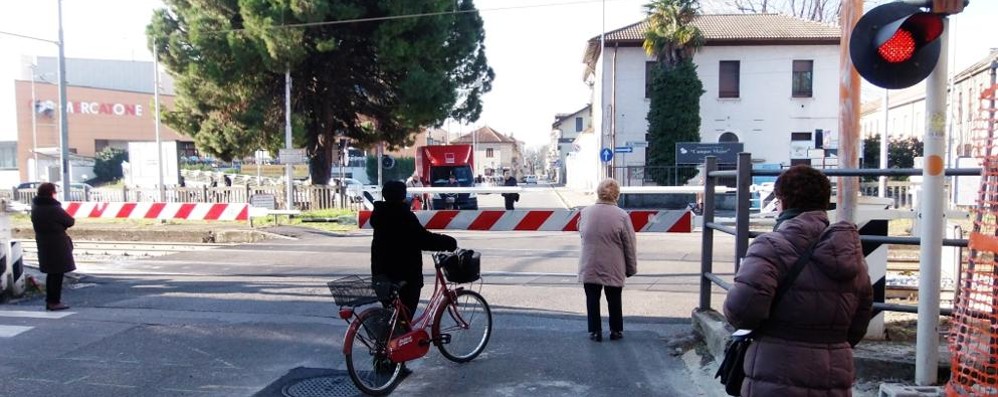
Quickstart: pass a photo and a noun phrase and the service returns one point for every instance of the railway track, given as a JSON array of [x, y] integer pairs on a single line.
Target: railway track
[[111, 249]]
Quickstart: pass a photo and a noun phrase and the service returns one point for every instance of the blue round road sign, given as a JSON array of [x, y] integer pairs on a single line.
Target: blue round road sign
[[606, 155]]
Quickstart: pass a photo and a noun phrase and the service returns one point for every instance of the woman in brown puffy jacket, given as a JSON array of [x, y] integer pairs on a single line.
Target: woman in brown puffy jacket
[[803, 344]]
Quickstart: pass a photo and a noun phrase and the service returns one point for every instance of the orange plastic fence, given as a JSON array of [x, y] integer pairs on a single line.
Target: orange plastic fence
[[974, 332]]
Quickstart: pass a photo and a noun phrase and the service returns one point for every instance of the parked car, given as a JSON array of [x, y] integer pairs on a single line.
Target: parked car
[[530, 179]]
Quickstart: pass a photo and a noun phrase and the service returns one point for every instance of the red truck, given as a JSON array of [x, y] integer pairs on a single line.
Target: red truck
[[436, 165]]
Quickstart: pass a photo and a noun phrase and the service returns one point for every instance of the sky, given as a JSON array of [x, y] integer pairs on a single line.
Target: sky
[[535, 48]]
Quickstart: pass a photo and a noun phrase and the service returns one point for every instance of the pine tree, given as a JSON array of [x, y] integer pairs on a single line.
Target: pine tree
[[352, 62]]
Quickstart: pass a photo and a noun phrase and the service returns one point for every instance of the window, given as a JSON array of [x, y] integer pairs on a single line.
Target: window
[[803, 76], [800, 136], [578, 124], [489, 153], [649, 67], [728, 137], [8, 155], [794, 162], [728, 80]]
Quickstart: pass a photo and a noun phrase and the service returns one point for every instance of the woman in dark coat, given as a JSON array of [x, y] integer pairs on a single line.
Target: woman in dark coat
[[802, 345], [55, 248]]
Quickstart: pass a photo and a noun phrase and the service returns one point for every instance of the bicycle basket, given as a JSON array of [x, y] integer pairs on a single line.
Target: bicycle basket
[[462, 266], [352, 291]]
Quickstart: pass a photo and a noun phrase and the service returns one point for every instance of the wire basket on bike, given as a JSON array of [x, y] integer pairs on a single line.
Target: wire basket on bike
[[352, 291]]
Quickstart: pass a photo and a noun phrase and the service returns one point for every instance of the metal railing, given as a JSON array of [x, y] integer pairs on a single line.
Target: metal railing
[[743, 175]]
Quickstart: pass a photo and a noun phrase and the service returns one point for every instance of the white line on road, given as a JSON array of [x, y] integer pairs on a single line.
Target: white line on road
[[7, 331], [29, 314]]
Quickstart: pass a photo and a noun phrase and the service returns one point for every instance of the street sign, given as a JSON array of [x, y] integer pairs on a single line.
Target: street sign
[[292, 156], [638, 144], [696, 152], [387, 162], [606, 155], [623, 149]]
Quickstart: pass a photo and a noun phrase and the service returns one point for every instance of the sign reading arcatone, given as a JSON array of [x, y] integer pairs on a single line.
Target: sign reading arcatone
[[84, 107]]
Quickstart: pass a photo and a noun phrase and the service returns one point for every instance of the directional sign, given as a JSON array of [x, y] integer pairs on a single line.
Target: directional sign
[[623, 149], [606, 155]]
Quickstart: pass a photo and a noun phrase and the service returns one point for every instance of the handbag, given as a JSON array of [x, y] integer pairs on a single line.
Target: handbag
[[732, 369]]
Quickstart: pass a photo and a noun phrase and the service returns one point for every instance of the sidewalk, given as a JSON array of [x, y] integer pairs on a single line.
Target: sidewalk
[[574, 198]]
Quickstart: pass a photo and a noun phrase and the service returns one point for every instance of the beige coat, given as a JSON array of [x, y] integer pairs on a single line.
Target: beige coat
[[608, 245]]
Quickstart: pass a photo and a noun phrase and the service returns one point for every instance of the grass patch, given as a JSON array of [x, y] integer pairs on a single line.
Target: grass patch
[[338, 220]]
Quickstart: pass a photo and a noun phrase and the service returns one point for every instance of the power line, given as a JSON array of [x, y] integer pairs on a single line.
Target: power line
[[421, 15]]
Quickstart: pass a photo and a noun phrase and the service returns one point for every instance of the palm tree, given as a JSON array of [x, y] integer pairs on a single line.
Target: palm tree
[[671, 36]]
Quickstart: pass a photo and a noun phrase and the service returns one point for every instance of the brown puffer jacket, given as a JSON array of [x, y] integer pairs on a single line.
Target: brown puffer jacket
[[804, 348]]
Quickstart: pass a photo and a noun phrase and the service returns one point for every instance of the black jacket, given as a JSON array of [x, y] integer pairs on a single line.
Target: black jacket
[[399, 239], [55, 248]]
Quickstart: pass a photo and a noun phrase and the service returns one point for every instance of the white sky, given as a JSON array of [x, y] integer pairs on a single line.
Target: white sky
[[534, 46]]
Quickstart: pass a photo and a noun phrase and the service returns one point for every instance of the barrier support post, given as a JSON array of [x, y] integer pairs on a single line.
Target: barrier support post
[[707, 240]]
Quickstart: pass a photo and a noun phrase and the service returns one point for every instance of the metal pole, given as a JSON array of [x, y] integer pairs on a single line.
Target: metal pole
[[63, 123], [849, 108], [159, 141], [744, 201], [931, 235], [34, 124], [288, 168], [886, 104], [381, 153], [707, 239]]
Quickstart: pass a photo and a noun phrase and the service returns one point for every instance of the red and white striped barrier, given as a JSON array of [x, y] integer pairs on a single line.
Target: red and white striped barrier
[[675, 221], [149, 210]]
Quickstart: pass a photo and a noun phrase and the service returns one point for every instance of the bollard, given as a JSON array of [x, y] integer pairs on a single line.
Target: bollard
[[11, 258]]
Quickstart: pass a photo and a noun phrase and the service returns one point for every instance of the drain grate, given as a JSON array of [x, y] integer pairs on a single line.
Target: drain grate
[[321, 386]]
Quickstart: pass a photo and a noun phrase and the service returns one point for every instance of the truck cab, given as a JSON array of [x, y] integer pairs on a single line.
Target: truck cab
[[437, 164]]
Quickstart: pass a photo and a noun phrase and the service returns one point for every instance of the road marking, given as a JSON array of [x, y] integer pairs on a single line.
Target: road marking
[[29, 314], [7, 331]]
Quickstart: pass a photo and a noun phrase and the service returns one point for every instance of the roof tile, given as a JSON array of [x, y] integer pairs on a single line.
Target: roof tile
[[721, 27]]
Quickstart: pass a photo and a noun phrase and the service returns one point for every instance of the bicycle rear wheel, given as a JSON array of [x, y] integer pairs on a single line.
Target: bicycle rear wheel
[[367, 353], [468, 322]]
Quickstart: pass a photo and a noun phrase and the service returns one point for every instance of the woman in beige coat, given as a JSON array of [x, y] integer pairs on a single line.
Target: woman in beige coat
[[608, 257]]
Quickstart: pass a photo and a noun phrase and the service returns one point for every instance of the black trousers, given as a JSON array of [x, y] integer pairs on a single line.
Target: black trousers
[[593, 292], [53, 288], [509, 202], [409, 294]]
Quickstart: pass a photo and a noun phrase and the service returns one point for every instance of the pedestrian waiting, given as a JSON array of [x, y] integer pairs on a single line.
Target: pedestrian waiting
[[55, 248], [609, 256]]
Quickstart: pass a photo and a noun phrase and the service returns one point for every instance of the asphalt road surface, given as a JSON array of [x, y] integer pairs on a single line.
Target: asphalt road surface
[[258, 320]]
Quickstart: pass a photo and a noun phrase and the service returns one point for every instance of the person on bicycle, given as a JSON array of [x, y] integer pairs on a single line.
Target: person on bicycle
[[399, 239]]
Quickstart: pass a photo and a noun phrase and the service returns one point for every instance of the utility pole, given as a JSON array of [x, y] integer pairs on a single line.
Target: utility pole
[[886, 105], [159, 141], [289, 203], [63, 123], [931, 215], [849, 107]]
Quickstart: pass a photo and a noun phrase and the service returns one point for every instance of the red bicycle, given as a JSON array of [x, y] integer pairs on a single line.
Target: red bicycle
[[380, 339]]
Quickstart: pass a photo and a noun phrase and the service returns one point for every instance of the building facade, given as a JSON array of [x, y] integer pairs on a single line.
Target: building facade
[[770, 82], [101, 109], [564, 131], [494, 152]]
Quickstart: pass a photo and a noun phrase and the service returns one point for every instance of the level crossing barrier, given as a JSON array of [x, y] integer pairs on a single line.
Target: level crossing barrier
[[150, 210], [673, 221]]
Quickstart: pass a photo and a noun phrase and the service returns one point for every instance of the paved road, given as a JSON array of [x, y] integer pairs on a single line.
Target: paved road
[[257, 319]]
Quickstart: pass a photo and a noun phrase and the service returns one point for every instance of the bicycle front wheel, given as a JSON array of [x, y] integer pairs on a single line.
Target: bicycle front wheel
[[463, 326], [367, 353]]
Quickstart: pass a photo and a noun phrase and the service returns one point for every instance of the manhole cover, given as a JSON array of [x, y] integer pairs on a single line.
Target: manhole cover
[[321, 386]]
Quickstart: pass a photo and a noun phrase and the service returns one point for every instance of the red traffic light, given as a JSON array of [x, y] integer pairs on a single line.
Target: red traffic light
[[899, 48], [895, 45]]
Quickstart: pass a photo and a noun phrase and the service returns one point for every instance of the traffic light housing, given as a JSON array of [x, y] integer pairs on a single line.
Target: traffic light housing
[[896, 45]]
